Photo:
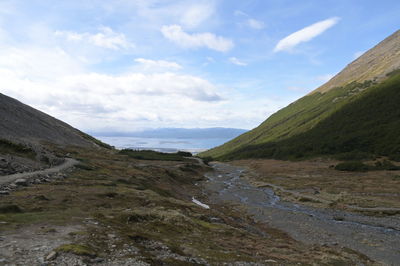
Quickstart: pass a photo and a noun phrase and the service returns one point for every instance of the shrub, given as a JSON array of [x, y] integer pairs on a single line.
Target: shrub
[[152, 155], [184, 154], [354, 166], [386, 165]]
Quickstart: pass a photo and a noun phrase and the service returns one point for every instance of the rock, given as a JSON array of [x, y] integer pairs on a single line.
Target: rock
[[52, 255], [21, 182], [3, 192]]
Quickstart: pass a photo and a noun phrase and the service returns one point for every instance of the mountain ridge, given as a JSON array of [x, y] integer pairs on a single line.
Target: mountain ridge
[[308, 111], [24, 124]]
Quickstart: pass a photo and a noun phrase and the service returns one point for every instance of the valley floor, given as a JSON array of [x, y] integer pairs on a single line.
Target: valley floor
[[115, 210], [378, 238]]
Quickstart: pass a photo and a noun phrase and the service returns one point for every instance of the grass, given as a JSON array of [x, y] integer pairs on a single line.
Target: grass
[[9, 147], [298, 117], [154, 155], [144, 203], [355, 166], [76, 249], [365, 127]]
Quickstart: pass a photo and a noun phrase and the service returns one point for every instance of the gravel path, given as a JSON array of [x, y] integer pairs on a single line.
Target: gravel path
[[376, 237], [69, 162]]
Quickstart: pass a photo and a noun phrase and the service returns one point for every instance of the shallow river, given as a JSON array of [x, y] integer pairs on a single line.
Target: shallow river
[[376, 237]]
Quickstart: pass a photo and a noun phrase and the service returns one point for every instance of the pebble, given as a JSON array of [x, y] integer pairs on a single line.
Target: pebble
[[52, 255]]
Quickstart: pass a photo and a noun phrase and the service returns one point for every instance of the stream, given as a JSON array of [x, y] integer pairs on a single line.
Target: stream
[[375, 237]]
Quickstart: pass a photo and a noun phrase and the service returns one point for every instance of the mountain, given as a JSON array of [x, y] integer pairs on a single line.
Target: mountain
[[178, 133], [23, 124], [356, 111]]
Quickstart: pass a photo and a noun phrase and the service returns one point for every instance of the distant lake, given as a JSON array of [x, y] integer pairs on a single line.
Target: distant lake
[[164, 144]]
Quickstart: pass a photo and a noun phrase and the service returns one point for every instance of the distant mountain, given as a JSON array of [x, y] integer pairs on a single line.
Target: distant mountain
[[23, 124], [178, 133], [357, 111]]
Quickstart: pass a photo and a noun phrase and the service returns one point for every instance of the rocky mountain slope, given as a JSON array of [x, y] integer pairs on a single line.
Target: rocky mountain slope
[[366, 74], [22, 123], [25, 134]]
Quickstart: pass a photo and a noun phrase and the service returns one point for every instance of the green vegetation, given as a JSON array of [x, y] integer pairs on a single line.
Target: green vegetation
[[96, 141], [365, 127], [355, 166], [298, 117], [358, 166], [9, 147], [154, 155], [76, 249], [10, 208]]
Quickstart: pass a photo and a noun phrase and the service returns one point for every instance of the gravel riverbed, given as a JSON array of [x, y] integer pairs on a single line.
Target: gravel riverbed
[[376, 237]]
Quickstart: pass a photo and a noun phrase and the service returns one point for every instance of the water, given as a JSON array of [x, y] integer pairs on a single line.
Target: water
[[164, 144], [376, 237]]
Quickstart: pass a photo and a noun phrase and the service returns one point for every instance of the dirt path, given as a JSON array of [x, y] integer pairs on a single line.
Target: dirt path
[[69, 162], [376, 237]]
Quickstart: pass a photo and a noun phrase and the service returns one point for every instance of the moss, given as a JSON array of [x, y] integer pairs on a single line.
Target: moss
[[7, 146], [77, 249], [355, 166], [11, 208]]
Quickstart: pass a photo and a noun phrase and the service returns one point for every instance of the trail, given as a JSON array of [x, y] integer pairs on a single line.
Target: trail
[[69, 162], [376, 237]]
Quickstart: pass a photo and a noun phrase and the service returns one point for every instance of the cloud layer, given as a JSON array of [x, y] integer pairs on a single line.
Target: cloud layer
[[209, 40], [105, 38], [306, 34]]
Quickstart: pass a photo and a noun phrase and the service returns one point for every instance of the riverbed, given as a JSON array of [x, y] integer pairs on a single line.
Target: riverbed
[[376, 237]]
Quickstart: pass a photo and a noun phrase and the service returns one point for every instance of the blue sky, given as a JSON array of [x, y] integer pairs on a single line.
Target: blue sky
[[134, 64]]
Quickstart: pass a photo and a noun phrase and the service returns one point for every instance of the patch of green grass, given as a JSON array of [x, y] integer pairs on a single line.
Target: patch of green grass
[[77, 249], [368, 125], [10, 208], [152, 155], [7, 146], [96, 141], [354, 166]]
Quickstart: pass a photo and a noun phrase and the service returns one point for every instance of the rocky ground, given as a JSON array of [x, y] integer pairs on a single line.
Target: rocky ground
[[114, 210], [316, 183], [377, 238]]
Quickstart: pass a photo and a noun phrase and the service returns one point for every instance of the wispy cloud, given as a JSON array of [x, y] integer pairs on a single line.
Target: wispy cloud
[[325, 78], [249, 22], [306, 34], [255, 24], [196, 14], [105, 38], [236, 61], [149, 64], [176, 34]]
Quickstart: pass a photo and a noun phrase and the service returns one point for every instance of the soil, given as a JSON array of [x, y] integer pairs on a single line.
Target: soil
[[378, 238]]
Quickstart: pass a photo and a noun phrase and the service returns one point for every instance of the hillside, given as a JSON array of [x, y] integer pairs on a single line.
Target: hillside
[[22, 123], [358, 78]]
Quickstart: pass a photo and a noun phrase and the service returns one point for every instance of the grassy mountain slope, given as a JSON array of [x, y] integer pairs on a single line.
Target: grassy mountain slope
[[307, 112], [369, 125]]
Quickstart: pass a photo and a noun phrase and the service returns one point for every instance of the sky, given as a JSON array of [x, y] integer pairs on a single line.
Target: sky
[[128, 65]]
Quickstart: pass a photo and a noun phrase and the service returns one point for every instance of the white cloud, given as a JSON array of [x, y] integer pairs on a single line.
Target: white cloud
[[176, 34], [106, 38], [255, 24], [236, 61], [149, 64], [304, 35], [196, 14], [358, 54], [59, 84]]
